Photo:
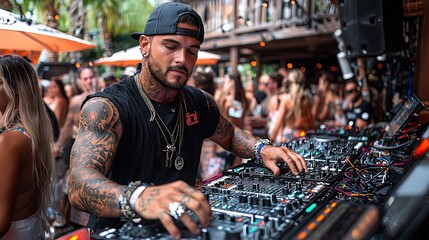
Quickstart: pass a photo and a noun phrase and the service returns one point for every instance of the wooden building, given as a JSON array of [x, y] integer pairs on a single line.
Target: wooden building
[[268, 31]]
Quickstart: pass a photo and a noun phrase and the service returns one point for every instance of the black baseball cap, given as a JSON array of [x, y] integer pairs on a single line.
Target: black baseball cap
[[163, 21]]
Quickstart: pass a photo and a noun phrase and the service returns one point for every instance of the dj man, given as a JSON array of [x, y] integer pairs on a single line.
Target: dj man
[[139, 142], [358, 111]]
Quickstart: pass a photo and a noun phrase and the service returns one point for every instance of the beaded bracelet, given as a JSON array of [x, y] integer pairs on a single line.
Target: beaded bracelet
[[124, 199], [256, 149]]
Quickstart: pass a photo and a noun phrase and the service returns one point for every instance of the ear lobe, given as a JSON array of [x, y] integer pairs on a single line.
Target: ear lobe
[[144, 43]]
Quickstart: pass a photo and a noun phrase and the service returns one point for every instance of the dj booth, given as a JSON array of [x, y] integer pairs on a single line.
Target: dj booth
[[361, 184]]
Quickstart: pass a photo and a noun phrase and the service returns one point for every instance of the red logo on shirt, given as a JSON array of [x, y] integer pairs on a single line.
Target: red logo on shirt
[[192, 118]]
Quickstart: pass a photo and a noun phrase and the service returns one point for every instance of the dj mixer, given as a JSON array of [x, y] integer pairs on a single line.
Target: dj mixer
[[351, 174]]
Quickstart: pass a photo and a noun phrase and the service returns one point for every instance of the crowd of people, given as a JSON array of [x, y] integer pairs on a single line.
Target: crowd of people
[[134, 148], [282, 106]]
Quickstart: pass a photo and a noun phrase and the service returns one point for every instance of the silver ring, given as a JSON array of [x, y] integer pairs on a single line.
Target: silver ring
[[176, 209]]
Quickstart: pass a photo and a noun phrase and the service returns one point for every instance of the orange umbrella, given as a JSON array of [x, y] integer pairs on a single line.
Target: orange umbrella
[[132, 56], [16, 34], [32, 55]]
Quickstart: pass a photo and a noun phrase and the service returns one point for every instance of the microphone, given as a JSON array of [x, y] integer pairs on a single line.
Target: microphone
[[346, 69]]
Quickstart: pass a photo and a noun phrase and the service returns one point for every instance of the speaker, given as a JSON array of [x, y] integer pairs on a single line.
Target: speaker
[[371, 27]]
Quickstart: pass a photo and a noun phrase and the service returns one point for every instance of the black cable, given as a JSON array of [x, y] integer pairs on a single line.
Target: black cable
[[378, 146]]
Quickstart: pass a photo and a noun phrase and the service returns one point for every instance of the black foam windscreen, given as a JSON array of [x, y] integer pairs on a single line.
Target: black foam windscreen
[[371, 27]]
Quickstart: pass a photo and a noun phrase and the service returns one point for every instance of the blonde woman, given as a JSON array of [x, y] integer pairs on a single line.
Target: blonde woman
[[26, 161], [294, 111]]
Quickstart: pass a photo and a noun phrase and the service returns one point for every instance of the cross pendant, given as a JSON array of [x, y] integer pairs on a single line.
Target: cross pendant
[[169, 149]]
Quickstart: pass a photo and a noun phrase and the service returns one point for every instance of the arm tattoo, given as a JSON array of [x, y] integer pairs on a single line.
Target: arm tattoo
[[224, 128], [242, 143], [92, 156]]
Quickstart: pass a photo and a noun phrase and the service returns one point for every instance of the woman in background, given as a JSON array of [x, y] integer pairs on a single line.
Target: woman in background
[[235, 104], [294, 112], [323, 108], [27, 167], [234, 107], [57, 100]]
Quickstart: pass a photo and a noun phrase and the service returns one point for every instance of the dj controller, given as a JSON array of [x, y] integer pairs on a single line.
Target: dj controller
[[350, 175]]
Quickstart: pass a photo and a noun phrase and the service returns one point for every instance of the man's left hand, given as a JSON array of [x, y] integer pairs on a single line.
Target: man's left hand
[[272, 155]]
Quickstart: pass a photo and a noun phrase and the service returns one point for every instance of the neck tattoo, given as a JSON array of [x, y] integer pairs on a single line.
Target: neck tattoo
[[175, 137]]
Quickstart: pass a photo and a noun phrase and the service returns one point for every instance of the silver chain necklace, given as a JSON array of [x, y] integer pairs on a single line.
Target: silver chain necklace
[[177, 133]]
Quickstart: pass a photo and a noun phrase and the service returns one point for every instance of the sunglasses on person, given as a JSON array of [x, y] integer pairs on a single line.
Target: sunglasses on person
[[350, 91]]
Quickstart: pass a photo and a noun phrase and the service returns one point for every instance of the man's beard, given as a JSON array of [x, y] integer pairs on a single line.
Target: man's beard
[[157, 74]]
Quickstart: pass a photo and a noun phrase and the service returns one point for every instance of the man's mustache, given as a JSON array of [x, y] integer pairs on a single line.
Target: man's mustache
[[180, 68]]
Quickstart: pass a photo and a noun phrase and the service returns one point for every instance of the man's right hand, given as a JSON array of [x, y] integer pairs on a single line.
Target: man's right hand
[[154, 203]]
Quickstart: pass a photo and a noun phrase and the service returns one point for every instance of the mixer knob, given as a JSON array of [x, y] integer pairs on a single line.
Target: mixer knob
[[256, 187], [280, 211], [295, 205], [288, 207], [259, 234], [298, 186], [242, 199], [266, 202], [207, 195], [225, 200], [240, 186], [205, 234], [286, 191], [232, 235], [232, 219], [245, 230], [271, 180], [273, 198], [254, 200]]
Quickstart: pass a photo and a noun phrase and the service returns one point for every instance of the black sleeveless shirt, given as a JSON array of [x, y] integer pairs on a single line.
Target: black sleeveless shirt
[[140, 154]]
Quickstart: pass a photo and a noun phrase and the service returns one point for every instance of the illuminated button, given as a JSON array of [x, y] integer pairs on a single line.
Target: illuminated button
[[327, 210], [311, 226], [320, 218], [311, 208], [301, 235], [334, 204]]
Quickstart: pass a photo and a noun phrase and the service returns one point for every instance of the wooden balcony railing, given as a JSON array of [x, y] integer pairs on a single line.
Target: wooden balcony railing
[[243, 16]]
